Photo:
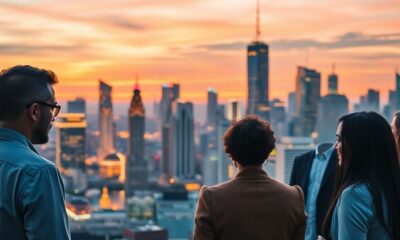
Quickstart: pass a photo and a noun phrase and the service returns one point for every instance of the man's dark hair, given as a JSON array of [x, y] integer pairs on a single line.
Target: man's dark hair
[[249, 141], [22, 85]]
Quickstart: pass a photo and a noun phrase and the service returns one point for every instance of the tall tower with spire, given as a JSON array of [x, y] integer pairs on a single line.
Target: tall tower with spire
[[136, 166], [258, 74]]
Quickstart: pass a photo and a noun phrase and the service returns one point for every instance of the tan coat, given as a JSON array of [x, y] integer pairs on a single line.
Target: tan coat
[[252, 206]]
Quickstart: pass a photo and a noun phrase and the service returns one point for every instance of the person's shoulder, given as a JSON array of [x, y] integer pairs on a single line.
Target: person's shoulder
[[357, 191], [24, 159], [219, 187], [293, 192], [356, 196]]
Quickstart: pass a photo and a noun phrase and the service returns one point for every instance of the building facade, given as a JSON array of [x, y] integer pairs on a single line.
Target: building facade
[[71, 141], [286, 151], [136, 165], [308, 94], [182, 140], [106, 126]]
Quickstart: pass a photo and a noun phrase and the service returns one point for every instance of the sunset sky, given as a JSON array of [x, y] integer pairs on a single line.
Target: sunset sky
[[201, 44]]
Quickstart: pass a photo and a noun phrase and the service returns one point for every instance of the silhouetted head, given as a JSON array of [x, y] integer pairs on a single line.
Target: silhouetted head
[[367, 155], [27, 101], [249, 141]]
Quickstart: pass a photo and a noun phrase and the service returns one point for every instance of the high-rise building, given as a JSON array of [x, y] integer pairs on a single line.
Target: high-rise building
[[212, 107], [390, 107], [308, 94], [330, 109], [182, 140], [258, 75], [234, 110], [278, 117], [373, 100], [286, 151], [106, 128], [333, 82], [136, 165], [225, 168], [292, 111], [175, 91], [170, 93], [70, 141], [77, 106], [397, 91]]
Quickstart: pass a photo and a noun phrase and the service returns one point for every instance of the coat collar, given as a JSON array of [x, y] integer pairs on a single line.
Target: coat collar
[[251, 173]]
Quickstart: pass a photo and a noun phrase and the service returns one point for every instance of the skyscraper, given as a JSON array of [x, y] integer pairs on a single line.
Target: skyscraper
[[390, 107], [333, 82], [292, 111], [136, 166], [170, 93], [308, 94], [234, 110], [286, 150], [70, 141], [373, 100], [77, 106], [106, 141], [330, 109], [212, 107], [278, 117], [182, 140], [258, 75]]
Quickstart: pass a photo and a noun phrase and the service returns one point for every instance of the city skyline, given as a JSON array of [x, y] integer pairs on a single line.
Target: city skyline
[[172, 42]]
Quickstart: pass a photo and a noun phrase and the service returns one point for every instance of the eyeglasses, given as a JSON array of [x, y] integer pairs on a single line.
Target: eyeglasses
[[55, 109]]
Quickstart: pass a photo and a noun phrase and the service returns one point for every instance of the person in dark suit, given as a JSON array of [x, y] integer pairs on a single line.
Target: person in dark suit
[[314, 172], [251, 206]]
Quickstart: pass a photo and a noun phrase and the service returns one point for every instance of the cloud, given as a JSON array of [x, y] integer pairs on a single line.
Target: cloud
[[125, 24], [379, 56], [37, 49], [347, 40]]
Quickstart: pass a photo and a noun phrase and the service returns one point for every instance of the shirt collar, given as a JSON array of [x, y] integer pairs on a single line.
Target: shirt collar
[[9, 134], [324, 155]]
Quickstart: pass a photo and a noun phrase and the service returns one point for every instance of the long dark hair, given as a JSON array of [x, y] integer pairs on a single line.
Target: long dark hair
[[369, 157]]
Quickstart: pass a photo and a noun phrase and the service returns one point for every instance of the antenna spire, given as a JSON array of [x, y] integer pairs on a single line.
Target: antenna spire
[[333, 68], [137, 82], [258, 32]]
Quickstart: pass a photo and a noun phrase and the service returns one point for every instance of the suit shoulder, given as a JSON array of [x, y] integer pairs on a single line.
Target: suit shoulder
[[294, 191], [308, 154]]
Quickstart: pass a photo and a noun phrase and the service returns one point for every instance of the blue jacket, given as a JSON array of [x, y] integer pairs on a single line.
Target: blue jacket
[[31, 192], [355, 218]]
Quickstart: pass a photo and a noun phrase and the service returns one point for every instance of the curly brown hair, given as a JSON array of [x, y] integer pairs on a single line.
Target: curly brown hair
[[249, 141]]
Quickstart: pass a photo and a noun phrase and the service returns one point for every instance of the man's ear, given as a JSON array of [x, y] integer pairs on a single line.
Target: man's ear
[[34, 112]]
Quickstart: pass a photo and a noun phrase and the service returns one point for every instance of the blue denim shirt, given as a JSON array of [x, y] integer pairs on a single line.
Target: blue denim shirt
[[31, 192], [314, 183]]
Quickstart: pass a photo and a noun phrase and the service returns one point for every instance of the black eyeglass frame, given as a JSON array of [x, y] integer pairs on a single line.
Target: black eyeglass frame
[[55, 109]]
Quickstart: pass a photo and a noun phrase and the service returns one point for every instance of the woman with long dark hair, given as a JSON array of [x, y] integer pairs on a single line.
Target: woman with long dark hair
[[366, 203]]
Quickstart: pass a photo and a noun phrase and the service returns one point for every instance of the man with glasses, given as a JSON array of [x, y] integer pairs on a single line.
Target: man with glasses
[[31, 189]]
